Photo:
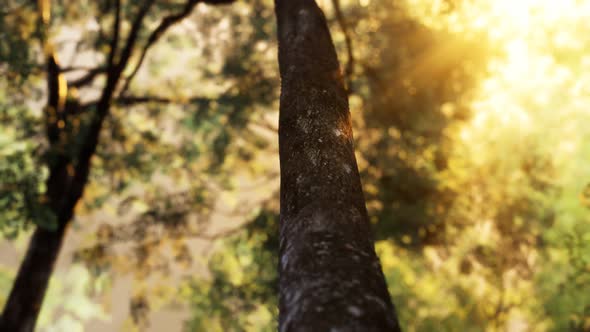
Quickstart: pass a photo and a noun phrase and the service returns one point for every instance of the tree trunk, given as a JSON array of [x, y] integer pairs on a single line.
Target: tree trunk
[[26, 297], [24, 303], [65, 186], [330, 276]]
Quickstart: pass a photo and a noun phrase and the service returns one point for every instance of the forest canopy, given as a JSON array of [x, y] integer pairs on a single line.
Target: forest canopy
[[469, 121]]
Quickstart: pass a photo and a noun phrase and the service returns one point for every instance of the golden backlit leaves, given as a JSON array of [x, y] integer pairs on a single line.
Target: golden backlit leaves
[[529, 77], [532, 103]]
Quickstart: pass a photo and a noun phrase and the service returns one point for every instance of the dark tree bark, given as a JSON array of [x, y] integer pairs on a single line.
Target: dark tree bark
[[23, 305], [330, 276]]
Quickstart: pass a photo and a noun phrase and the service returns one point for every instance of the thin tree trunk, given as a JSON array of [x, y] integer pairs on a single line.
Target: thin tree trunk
[[64, 190], [65, 186], [24, 303], [330, 277]]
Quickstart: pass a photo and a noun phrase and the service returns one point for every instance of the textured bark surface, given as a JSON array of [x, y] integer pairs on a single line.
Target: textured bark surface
[[330, 276]]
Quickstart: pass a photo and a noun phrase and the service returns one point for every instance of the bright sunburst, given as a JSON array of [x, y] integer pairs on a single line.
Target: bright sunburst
[[541, 65]]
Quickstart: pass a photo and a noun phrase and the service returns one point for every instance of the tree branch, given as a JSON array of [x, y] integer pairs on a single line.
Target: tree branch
[[113, 45], [115, 41], [132, 39], [88, 148], [350, 62], [102, 107], [87, 78], [166, 23], [76, 68], [134, 100]]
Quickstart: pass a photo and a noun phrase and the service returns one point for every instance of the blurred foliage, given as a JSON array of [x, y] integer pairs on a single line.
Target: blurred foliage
[[243, 279], [21, 190], [22, 174], [17, 28], [471, 141], [68, 305], [415, 83]]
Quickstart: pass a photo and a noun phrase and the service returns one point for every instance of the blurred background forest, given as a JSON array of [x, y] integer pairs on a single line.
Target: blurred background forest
[[471, 132]]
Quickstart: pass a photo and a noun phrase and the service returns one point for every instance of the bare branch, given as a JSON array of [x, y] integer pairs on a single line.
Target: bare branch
[[88, 148], [132, 39], [102, 107], [88, 77], [115, 41], [166, 23], [349, 69], [76, 68], [133, 100], [113, 46]]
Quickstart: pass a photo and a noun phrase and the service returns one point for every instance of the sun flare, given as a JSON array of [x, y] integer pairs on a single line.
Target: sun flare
[[531, 75]]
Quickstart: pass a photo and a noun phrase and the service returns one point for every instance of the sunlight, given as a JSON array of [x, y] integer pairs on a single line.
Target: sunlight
[[517, 18], [522, 81]]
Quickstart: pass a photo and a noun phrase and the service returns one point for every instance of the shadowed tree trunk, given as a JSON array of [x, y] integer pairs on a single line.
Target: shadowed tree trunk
[[330, 277], [24, 303]]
